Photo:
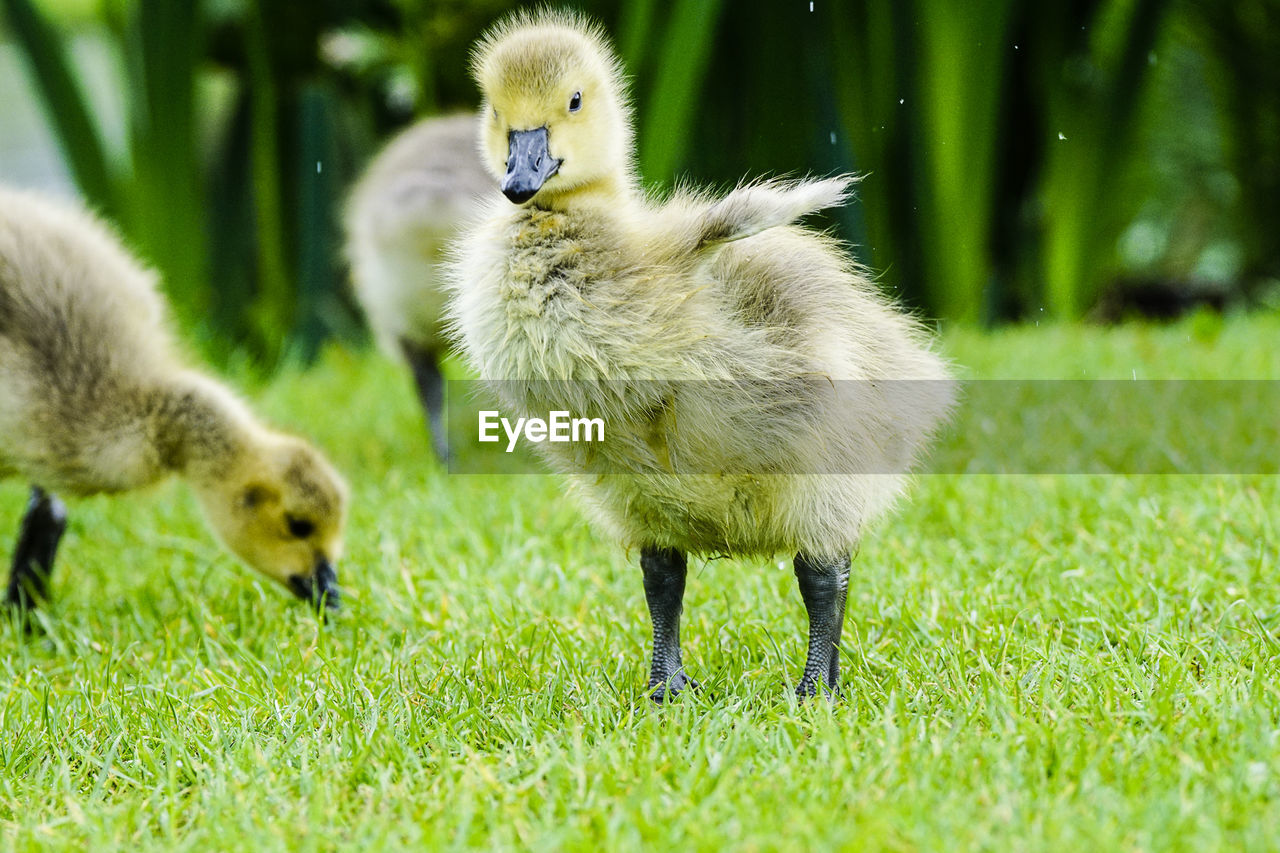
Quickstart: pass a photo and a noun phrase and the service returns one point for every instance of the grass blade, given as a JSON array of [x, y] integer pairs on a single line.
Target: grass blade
[[689, 37], [167, 210], [64, 103]]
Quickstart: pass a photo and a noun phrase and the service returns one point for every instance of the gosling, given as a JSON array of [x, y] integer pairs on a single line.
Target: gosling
[[409, 203], [93, 398], [707, 332]]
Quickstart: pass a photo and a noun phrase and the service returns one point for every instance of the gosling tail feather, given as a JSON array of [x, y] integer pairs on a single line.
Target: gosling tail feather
[[757, 207]]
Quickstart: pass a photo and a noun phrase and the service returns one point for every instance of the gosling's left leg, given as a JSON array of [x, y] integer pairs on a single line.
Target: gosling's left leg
[[664, 574], [38, 538], [824, 586], [430, 384]]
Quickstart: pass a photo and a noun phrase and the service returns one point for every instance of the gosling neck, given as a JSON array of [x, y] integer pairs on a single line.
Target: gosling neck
[[604, 192], [201, 430]]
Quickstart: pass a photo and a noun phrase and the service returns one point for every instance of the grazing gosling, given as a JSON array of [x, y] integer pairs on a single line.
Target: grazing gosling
[[408, 204], [708, 332], [94, 399]]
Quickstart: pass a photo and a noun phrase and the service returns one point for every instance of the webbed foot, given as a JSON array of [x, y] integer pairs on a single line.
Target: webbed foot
[[666, 690]]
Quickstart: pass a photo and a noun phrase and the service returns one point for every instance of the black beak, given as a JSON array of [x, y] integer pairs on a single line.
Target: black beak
[[320, 588], [529, 164]]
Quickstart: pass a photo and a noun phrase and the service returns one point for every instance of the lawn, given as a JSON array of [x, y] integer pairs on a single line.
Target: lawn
[[1031, 662]]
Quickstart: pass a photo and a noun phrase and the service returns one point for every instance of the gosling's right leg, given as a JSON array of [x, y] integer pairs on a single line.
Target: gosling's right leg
[[430, 384], [664, 574], [824, 586], [38, 538]]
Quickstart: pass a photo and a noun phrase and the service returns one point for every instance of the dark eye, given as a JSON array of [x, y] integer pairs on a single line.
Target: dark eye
[[299, 528], [575, 103]]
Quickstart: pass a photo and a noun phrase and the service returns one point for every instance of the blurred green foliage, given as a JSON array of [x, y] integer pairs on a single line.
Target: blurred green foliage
[[1021, 160]]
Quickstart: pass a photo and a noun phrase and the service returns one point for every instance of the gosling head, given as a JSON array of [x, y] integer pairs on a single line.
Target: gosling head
[[282, 510], [556, 115]]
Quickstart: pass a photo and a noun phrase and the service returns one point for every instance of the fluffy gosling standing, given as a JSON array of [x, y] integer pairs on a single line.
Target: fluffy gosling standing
[[709, 332], [408, 204], [93, 398]]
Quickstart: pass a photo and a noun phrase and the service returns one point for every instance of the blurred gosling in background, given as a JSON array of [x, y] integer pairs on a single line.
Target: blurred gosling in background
[[409, 203], [94, 398]]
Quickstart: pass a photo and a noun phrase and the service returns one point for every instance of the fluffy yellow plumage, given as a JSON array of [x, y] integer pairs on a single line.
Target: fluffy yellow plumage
[[749, 373], [410, 201], [93, 398]]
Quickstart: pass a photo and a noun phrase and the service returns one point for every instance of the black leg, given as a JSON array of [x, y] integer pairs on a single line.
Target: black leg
[[664, 573], [430, 384], [824, 585], [37, 546]]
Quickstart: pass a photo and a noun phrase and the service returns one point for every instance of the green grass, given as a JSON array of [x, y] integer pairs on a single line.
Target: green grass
[[1031, 663]]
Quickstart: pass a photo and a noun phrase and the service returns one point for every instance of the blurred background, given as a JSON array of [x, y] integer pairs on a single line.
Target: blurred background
[[1083, 159]]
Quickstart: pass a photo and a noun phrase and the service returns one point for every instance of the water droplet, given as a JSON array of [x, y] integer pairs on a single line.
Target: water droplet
[[317, 167], [833, 137], [1062, 137], [902, 100]]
